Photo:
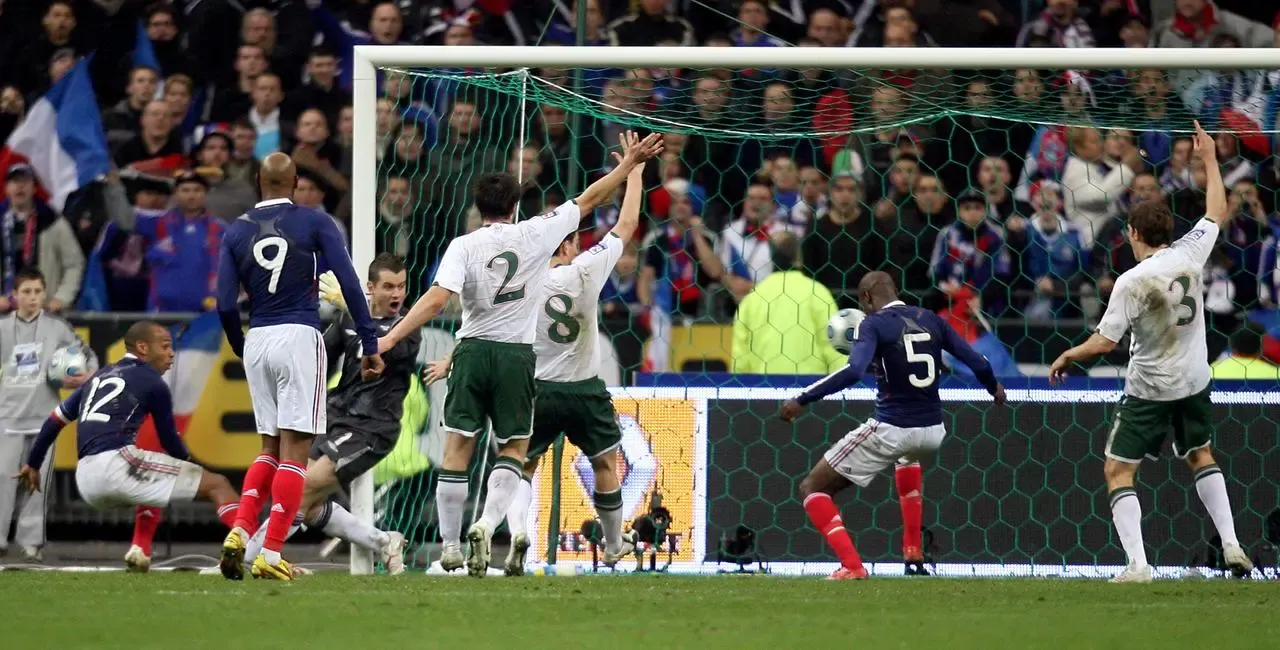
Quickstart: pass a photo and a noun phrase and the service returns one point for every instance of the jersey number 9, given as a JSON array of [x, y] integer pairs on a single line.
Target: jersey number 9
[[273, 264]]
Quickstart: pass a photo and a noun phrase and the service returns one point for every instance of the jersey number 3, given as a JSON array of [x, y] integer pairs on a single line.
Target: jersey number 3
[[111, 387], [512, 263], [274, 264], [909, 341], [1188, 300]]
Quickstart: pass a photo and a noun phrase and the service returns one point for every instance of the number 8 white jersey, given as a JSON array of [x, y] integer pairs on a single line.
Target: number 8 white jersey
[[568, 330], [498, 272], [1162, 301]]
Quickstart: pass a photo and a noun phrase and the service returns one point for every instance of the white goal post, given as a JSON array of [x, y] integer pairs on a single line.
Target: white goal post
[[370, 58]]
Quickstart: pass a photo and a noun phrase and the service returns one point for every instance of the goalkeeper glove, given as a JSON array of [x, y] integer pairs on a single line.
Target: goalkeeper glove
[[330, 291]]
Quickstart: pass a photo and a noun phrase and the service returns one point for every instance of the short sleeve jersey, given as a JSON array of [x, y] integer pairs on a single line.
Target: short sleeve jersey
[[1162, 301], [498, 272], [567, 332]]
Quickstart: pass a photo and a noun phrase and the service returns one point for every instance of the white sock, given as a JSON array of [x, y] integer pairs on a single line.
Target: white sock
[[451, 498], [609, 509], [253, 547], [344, 525], [1212, 488], [1126, 511], [518, 511], [504, 479]]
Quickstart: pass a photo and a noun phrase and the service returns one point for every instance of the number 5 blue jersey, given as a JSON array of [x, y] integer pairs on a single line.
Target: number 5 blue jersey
[[271, 251], [903, 347]]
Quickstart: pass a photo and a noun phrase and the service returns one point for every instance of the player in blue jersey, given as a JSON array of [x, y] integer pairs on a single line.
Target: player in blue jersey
[[111, 405], [903, 346], [271, 252]]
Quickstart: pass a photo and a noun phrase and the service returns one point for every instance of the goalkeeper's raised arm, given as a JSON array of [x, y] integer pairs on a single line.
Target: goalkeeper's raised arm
[[634, 152], [1215, 199]]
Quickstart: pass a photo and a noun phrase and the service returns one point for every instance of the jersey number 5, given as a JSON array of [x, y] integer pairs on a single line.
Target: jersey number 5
[[273, 264], [111, 387], [909, 341], [512, 263], [1187, 300]]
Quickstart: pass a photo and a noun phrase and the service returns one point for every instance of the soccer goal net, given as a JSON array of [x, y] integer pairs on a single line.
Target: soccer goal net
[[992, 185]]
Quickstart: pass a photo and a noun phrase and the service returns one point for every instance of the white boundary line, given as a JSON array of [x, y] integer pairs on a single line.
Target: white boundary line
[[1043, 396]]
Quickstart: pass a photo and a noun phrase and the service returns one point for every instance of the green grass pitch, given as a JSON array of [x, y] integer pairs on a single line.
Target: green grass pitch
[[188, 611]]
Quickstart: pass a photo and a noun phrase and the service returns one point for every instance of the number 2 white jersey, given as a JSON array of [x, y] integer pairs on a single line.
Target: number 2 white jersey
[[1162, 301], [498, 272], [568, 332]]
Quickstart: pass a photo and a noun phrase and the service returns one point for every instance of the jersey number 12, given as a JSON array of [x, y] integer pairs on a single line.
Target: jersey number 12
[[111, 387]]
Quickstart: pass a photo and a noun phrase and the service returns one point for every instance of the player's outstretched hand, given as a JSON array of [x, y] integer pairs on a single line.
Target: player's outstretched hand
[[636, 151], [791, 410], [1058, 371], [28, 478], [75, 381], [998, 396], [331, 291], [371, 366], [1203, 145]]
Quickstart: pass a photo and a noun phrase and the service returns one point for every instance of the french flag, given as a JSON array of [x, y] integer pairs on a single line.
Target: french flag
[[196, 350], [62, 138]]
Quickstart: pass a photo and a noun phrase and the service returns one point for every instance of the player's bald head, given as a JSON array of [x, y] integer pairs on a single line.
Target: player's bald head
[[277, 176], [143, 331], [876, 290]]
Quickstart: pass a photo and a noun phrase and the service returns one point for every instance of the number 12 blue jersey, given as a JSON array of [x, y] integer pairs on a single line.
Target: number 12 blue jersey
[[903, 347]]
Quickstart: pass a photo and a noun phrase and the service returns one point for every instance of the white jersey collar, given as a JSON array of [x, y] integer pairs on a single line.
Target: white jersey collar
[[270, 202]]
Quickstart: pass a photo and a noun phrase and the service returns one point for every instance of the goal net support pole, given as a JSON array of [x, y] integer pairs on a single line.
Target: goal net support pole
[[370, 59]]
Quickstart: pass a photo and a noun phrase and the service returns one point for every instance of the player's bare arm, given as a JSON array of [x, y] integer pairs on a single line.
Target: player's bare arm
[[426, 308], [1215, 200], [629, 216], [634, 152], [1096, 346]]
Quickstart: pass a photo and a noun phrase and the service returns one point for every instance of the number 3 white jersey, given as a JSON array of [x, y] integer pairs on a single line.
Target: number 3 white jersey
[[498, 272], [1162, 301], [568, 331]]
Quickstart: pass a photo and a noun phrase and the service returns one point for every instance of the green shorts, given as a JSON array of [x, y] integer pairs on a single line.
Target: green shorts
[[1141, 425], [581, 410], [494, 381]]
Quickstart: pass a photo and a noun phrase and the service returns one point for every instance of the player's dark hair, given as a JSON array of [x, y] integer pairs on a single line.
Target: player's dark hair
[[389, 262], [496, 195], [28, 274], [1153, 221], [1247, 341], [142, 331]]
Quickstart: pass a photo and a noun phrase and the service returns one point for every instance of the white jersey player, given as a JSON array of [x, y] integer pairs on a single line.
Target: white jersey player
[[498, 272], [1167, 383]]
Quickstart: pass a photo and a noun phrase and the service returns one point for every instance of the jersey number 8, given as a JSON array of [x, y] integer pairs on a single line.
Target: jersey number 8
[[273, 264]]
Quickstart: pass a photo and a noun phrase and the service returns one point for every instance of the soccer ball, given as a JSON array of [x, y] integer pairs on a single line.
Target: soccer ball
[[67, 361], [842, 329]]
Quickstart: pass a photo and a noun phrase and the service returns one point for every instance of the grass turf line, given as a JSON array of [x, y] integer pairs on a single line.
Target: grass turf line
[[65, 611]]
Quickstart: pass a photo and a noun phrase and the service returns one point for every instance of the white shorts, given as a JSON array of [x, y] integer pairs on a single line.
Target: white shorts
[[134, 477], [287, 371], [874, 446]]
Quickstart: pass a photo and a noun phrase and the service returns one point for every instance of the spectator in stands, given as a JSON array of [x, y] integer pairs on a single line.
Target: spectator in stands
[[780, 116], [265, 114], [1110, 256], [620, 294], [179, 94], [826, 28], [161, 22], [285, 56], [314, 191], [744, 245], [1244, 238], [994, 178], [13, 107], [57, 34], [228, 197], [1235, 166], [123, 121], [395, 210], [1060, 24], [753, 20], [649, 24], [385, 27], [120, 251], [841, 248], [1052, 255], [781, 326], [1151, 87], [315, 151], [1195, 23], [233, 102], [1177, 174], [156, 140], [35, 236], [243, 164], [524, 165], [1092, 184], [892, 12], [182, 249], [563, 27], [1245, 359], [785, 178], [321, 90], [971, 252], [813, 196]]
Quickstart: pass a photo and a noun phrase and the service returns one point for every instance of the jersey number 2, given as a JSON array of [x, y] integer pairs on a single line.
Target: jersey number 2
[[930, 371], [513, 264], [112, 387], [273, 264], [1187, 300]]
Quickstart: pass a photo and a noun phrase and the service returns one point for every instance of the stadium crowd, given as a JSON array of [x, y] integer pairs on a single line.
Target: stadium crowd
[[974, 214]]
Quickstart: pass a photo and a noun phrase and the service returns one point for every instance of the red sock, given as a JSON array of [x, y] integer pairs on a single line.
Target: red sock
[[826, 518], [909, 479], [228, 513], [146, 519], [256, 490], [287, 490]]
